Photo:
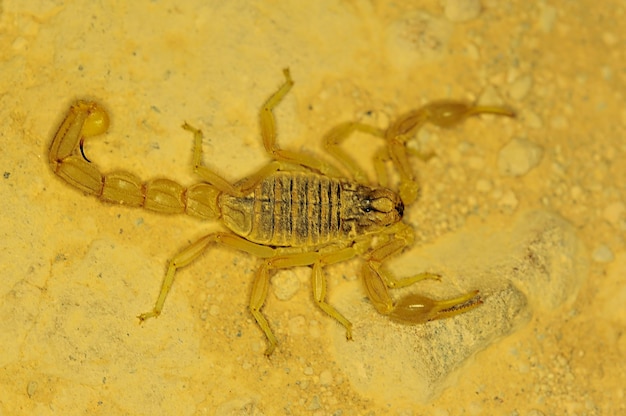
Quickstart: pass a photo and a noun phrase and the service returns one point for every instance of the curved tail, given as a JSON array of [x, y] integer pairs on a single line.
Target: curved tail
[[66, 157]]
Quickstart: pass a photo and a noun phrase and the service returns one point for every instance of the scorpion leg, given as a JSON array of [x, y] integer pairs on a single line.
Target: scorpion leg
[[261, 283], [260, 287], [283, 159], [242, 187], [203, 171], [318, 285], [439, 113], [337, 135], [412, 308], [382, 157], [191, 252], [268, 134]]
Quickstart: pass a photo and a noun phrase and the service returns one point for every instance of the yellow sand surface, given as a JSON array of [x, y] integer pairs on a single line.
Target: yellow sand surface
[[530, 210]]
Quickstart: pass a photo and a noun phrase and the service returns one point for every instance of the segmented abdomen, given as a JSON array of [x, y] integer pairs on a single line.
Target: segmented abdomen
[[288, 209]]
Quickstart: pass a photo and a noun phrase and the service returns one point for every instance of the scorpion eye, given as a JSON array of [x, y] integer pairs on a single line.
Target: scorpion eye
[[366, 205]]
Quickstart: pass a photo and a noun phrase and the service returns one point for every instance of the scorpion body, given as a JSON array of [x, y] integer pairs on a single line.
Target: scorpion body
[[305, 209], [295, 211]]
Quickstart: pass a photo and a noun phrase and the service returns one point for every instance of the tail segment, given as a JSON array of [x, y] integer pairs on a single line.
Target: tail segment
[[88, 119]]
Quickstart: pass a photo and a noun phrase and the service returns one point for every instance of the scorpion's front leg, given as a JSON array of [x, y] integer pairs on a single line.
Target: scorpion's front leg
[[268, 133], [413, 308]]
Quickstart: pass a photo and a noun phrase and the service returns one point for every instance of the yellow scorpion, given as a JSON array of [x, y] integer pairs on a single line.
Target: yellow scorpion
[[295, 211]]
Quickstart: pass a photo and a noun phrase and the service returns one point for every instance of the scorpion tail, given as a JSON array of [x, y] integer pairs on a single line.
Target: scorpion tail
[[68, 161]]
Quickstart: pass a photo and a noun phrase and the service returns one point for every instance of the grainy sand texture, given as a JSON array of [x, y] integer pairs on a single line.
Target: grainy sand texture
[[530, 210]]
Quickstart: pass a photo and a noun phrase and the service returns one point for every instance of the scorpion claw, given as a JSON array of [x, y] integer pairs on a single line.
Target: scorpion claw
[[416, 309]]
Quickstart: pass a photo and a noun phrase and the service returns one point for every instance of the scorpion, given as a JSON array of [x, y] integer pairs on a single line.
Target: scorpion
[[297, 210]]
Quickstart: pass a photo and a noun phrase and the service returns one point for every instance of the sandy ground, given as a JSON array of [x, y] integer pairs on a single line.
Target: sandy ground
[[530, 210]]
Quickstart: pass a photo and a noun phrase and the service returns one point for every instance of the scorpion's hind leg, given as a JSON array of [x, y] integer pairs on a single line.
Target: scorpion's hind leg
[[261, 283], [192, 252]]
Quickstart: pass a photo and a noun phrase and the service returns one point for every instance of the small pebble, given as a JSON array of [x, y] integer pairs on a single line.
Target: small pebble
[[518, 157], [520, 87], [326, 378], [285, 284], [508, 202], [315, 403], [603, 254], [31, 388]]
